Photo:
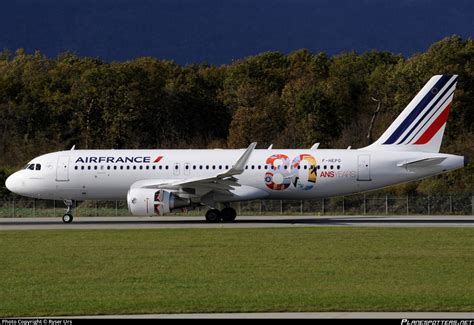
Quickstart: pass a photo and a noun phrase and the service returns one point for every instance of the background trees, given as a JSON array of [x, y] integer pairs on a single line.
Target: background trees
[[292, 101]]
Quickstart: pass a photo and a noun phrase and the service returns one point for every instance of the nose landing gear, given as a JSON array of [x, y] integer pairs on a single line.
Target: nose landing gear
[[68, 217]]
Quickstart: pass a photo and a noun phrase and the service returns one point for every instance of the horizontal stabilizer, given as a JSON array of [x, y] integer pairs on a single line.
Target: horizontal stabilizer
[[419, 163]]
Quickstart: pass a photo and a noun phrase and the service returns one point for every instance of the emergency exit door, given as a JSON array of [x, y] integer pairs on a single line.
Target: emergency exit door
[[62, 169], [363, 168]]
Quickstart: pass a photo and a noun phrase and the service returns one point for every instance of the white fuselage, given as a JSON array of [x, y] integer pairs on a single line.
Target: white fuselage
[[270, 174]]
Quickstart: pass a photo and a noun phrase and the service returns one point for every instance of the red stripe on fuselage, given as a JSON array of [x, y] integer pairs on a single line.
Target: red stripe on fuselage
[[434, 128]]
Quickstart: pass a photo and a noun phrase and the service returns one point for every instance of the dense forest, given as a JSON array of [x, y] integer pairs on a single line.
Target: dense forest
[[290, 101]]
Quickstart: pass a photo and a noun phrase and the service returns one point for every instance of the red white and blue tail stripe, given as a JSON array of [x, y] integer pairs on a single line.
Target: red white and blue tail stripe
[[420, 126]]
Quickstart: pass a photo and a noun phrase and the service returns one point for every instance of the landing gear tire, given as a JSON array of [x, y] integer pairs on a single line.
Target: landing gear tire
[[228, 214], [213, 215], [67, 218]]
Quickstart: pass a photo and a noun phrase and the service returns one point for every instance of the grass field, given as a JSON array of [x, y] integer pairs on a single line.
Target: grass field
[[232, 270]]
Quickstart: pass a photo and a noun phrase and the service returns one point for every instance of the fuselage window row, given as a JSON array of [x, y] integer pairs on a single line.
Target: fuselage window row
[[187, 167]]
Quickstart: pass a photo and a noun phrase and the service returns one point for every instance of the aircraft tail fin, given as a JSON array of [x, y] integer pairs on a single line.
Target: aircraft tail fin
[[420, 126]]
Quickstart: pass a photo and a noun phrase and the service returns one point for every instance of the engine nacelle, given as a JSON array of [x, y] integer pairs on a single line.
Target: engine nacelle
[[147, 202]]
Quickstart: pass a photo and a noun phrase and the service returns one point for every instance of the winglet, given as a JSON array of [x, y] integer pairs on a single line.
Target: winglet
[[239, 166]]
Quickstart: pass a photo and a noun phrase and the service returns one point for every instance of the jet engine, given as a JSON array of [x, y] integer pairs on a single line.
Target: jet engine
[[147, 202]]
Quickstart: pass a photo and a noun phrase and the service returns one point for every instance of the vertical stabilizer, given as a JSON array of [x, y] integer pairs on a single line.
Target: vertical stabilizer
[[420, 126]]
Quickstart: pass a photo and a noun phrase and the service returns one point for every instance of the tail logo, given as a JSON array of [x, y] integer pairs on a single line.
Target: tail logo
[[428, 116]]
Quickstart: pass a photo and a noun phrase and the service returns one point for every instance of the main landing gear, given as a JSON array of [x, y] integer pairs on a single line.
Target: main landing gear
[[67, 217], [227, 214]]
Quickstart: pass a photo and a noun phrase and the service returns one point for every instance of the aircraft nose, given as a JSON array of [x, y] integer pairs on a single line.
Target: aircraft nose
[[12, 183]]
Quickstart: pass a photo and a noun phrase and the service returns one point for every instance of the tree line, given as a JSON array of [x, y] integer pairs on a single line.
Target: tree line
[[290, 101]]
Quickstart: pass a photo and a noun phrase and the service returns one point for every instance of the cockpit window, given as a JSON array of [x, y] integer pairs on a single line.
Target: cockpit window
[[33, 167]]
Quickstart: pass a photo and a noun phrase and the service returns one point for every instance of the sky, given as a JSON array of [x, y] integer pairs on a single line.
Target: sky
[[218, 32]]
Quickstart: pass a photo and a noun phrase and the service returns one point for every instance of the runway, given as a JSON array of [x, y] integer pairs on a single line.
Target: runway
[[171, 222]]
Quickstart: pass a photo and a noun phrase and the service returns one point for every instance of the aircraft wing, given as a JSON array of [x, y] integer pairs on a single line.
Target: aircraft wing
[[222, 183]]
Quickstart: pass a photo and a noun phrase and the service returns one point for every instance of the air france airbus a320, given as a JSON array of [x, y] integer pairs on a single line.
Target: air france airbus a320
[[155, 182]]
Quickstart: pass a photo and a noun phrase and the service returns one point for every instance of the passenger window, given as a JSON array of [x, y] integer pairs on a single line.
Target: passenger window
[[82, 167]]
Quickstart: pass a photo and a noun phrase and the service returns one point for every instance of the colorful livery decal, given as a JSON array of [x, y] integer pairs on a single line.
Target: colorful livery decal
[[304, 175], [278, 177], [281, 174]]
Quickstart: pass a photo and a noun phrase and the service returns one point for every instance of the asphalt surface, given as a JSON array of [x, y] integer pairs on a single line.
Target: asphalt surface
[[241, 222]]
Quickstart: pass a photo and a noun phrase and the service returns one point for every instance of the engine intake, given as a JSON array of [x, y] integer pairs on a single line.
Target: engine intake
[[147, 202]]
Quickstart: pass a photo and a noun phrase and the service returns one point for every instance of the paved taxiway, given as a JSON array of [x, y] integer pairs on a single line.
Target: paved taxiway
[[241, 222]]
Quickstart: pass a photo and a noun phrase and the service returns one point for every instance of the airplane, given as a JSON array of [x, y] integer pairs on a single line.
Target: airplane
[[155, 182]]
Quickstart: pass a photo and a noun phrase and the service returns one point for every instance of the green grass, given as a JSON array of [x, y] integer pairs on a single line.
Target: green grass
[[235, 270]]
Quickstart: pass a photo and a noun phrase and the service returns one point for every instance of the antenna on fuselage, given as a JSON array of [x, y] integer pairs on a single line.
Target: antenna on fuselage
[[270, 147], [73, 147], [315, 146]]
